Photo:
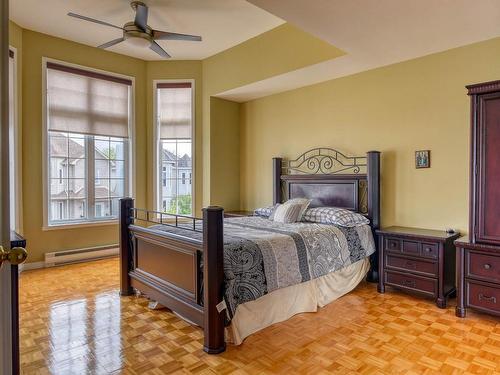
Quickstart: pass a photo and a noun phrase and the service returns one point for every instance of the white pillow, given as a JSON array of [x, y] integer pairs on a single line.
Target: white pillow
[[335, 215], [291, 211]]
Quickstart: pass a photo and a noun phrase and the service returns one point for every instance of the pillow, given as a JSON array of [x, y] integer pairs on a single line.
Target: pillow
[[265, 211], [335, 215], [291, 211]]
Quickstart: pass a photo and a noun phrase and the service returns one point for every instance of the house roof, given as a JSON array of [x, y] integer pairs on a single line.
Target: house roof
[[183, 162], [59, 148], [101, 192]]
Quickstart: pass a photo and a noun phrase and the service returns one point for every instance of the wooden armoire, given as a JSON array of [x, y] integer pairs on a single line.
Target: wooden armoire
[[478, 256]]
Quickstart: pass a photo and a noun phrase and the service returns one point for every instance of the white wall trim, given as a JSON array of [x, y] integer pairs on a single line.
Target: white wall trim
[[156, 143], [45, 157], [18, 225], [31, 266]]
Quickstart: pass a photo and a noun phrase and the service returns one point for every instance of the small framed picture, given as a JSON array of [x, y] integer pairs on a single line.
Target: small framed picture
[[422, 159]]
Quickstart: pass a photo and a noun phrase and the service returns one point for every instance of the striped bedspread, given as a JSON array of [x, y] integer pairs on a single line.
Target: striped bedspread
[[261, 255]]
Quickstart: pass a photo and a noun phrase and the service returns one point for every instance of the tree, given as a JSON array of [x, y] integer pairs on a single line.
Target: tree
[[109, 153], [183, 202]]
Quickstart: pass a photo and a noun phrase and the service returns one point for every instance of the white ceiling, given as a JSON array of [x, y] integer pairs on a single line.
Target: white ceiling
[[375, 33], [221, 23]]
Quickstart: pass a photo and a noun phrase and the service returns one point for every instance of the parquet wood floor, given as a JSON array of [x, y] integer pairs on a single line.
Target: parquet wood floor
[[74, 322]]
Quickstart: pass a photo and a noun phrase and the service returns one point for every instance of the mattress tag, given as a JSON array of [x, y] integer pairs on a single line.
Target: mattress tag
[[221, 306]]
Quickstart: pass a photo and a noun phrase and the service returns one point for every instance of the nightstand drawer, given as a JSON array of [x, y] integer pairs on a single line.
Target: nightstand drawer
[[427, 268], [411, 248], [430, 250], [393, 244], [416, 283], [483, 266], [482, 297]]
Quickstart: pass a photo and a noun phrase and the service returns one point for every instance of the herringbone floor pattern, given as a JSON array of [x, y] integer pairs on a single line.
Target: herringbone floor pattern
[[74, 322]]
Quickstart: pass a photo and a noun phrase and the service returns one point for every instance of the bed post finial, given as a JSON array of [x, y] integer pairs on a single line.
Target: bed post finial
[[213, 271], [277, 165], [126, 206]]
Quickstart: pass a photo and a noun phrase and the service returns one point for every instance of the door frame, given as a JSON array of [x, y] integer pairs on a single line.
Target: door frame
[[6, 342]]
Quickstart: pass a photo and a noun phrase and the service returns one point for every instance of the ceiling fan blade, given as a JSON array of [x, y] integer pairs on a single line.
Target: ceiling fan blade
[[165, 35], [160, 51], [111, 43], [141, 16], [85, 18]]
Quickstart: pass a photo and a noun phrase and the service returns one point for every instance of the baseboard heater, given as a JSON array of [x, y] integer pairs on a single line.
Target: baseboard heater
[[80, 255]]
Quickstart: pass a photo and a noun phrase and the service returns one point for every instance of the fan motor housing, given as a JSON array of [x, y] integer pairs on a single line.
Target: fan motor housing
[[130, 30]]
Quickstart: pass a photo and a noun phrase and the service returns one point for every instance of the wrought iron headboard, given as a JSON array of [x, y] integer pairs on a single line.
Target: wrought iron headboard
[[329, 177], [324, 161]]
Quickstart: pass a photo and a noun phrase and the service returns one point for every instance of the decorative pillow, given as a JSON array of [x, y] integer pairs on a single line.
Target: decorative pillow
[[335, 215], [265, 211], [291, 211]]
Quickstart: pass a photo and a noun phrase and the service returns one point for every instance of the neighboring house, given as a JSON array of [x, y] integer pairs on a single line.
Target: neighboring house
[[176, 177], [68, 196]]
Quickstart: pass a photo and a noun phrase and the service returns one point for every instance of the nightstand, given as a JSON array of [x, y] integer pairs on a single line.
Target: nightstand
[[238, 213], [417, 260]]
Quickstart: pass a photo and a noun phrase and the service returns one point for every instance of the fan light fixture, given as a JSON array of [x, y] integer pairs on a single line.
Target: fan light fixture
[[138, 33]]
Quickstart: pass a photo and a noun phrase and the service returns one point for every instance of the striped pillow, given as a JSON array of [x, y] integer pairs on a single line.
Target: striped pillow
[[334, 215], [290, 211]]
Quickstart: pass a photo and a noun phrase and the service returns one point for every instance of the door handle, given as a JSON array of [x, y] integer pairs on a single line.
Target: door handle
[[14, 256]]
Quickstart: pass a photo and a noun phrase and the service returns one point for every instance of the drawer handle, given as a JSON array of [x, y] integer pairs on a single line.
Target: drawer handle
[[410, 283], [487, 266], [428, 249], [487, 299], [411, 265]]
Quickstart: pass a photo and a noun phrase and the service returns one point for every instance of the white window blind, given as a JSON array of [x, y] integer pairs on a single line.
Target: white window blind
[[175, 123], [175, 110], [85, 102], [87, 144]]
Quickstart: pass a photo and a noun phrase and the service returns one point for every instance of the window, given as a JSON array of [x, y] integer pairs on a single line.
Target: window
[[87, 149], [174, 110]]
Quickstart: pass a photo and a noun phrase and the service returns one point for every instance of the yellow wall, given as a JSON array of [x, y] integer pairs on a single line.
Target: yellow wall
[[419, 104], [36, 46], [157, 70], [225, 133], [414, 105], [280, 50]]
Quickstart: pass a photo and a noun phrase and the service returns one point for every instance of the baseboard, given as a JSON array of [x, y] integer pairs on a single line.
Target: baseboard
[[72, 257], [31, 266], [60, 258]]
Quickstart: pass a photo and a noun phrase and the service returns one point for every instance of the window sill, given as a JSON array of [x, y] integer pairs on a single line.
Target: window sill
[[86, 224]]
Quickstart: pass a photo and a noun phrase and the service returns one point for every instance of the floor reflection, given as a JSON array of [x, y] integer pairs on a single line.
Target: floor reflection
[[73, 321]]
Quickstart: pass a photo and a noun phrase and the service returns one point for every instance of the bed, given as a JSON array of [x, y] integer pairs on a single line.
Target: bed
[[223, 274]]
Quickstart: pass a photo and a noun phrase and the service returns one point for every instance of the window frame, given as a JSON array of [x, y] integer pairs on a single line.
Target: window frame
[[130, 149], [157, 175]]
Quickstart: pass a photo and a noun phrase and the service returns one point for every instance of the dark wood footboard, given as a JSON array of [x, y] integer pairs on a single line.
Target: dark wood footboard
[[166, 267]]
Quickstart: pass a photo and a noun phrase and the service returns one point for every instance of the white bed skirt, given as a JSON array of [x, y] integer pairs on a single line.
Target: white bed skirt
[[282, 304]]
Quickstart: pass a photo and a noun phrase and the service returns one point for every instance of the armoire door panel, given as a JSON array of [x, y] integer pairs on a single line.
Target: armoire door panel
[[488, 189]]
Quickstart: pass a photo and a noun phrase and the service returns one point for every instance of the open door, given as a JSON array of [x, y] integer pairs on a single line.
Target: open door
[[10, 256]]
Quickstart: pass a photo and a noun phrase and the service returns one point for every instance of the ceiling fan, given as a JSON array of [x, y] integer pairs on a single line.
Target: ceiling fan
[[138, 31]]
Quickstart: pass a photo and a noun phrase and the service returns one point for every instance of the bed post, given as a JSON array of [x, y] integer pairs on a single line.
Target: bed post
[[126, 205], [373, 173], [213, 270], [277, 164]]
